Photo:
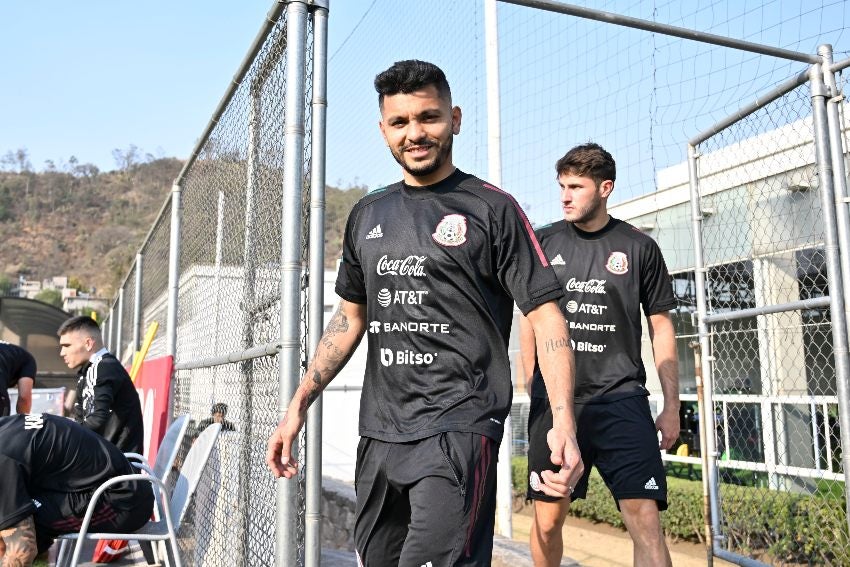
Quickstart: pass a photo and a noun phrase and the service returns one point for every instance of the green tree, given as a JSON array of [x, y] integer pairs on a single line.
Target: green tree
[[76, 283], [50, 296], [5, 285]]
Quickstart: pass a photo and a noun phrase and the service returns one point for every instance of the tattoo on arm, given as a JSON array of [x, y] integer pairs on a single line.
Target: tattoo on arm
[[553, 345], [20, 544], [338, 324]]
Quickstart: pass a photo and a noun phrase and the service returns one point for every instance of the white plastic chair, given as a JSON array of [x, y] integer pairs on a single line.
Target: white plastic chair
[[166, 455], [168, 450], [173, 508]]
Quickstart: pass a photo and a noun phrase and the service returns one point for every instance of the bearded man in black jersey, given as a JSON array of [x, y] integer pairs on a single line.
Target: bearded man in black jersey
[[609, 270], [49, 470], [432, 266]]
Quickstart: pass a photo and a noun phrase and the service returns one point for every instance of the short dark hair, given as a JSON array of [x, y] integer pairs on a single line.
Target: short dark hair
[[588, 160], [80, 323], [410, 76], [219, 407]]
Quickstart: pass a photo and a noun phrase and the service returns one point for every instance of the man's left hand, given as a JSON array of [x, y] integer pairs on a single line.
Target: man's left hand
[[668, 424], [565, 453]]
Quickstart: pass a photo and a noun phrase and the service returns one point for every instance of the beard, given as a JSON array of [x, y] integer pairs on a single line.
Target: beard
[[587, 213], [421, 169]]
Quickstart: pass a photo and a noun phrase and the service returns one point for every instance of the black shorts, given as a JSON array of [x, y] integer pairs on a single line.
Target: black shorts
[[617, 437], [427, 502], [60, 513]]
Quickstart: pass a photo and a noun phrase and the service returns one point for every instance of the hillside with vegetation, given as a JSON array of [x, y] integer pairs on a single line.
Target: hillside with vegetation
[[73, 219]]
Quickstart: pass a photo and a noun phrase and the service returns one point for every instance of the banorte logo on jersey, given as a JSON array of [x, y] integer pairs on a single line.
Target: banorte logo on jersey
[[410, 266], [451, 231]]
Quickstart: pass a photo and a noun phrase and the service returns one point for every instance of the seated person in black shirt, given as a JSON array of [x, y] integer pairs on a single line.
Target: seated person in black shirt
[[218, 412], [17, 368], [50, 467], [106, 402]]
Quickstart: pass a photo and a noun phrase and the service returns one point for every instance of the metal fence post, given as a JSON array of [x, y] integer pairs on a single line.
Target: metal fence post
[[709, 464], [286, 552], [108, 338], [119, 324], [703, 450], [313, 513], [504, 491], [835, 233], [173, 289], [137, 305]]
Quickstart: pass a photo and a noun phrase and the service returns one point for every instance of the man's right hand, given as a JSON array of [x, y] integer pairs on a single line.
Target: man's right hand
[[279, 457]]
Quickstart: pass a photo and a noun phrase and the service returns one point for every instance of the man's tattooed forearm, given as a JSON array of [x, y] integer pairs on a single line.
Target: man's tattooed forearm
[[20, 544], [338, 324], [557, 344]]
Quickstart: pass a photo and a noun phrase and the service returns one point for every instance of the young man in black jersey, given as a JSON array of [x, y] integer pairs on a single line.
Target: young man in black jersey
[[431, 268], [17, 368], [609, 270], [106, 402], [49, 470]]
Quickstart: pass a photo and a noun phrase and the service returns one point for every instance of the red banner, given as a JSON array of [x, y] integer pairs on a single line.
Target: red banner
[[153, 383]]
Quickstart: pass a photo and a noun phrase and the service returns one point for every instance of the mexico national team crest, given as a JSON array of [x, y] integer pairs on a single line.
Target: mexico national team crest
[[451, 231], [618, 263]]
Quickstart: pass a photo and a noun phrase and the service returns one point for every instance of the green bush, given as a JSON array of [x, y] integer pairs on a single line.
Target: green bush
[[805, 528]]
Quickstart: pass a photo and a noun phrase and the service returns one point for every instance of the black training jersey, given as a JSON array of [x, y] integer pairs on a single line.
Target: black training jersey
[[107, 403], [607, 276], [42, 453], [439, 269], [15, 363]]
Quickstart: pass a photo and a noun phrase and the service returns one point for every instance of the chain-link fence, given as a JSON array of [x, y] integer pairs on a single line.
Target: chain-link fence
[[230, 302], [154, 254], [771, 362]]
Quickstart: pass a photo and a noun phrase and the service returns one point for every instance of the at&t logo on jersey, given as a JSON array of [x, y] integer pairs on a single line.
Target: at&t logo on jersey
[[589, 286], [401, 296], [618, 263], [410, 266], [592, 309], [405, 357], [451, 231]]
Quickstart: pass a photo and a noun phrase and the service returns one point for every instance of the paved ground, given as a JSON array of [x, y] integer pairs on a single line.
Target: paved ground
[[586, 545]]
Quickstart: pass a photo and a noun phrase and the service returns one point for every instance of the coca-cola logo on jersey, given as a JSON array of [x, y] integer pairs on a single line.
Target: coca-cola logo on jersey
[[410, 266], [590, 286]]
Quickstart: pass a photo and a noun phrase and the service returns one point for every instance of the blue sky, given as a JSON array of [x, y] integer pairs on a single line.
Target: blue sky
[[83, 78]]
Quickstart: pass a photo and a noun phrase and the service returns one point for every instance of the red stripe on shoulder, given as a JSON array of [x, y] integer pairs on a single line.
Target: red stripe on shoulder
[[528, 228]]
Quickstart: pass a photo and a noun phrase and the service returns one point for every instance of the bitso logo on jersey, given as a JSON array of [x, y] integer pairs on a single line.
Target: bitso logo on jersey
[[451, 231], [618, 263]]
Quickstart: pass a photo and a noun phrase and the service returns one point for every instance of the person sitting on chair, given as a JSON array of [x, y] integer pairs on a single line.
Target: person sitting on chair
[[50, 467]]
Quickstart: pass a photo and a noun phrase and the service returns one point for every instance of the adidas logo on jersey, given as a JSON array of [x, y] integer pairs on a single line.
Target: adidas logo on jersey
[[375, 232], [651, 484], [427, 564], [558, 261]]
